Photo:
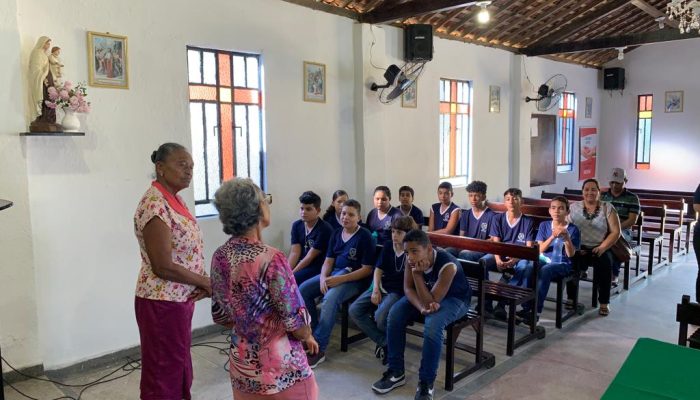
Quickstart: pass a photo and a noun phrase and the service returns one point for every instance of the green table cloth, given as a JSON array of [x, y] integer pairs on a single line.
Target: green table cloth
[[657, 370]]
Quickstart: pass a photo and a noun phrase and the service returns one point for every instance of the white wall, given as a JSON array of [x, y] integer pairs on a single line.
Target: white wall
[[583, 82], [18, 321], [655, 69], [83, 191], [77, 195]]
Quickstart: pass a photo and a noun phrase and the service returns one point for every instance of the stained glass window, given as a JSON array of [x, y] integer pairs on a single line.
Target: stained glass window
[[565, 132], [225, 121], [643, 154], [455, 130]]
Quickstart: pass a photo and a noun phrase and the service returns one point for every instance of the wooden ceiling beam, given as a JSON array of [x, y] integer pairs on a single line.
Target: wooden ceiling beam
[[580, 23], [393, 12], [663, 35], [448, 18], [529, 25], [654, 12]]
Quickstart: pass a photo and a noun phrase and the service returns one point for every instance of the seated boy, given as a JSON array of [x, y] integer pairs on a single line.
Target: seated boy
[[514, 228], [310, 236], [444, 216], [558, 241], [435, 287], [475, 223], [406, 195], [387, 287], [344, 274]]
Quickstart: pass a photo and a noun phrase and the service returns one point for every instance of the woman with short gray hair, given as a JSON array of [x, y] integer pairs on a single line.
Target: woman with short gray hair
[[255, 294]]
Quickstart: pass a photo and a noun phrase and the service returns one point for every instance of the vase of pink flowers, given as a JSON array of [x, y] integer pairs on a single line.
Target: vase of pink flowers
[[71, 99]]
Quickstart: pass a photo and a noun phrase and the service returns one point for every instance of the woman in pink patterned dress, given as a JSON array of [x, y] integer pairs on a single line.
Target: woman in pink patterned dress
[[171, 279], [255, 294]]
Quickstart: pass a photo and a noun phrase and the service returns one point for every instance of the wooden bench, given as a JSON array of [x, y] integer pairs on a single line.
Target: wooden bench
[[497, 291], [652, 238], [673, 224], [688, 313]]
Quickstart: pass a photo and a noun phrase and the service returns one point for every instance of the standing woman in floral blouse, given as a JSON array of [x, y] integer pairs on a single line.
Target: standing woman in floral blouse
[[255, 294], [171, 279]]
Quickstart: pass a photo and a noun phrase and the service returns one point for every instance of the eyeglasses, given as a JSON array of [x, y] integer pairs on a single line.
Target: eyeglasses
[[268, 198]]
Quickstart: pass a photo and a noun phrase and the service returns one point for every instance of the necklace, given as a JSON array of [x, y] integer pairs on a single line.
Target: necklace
[[398, 266], [593, 216]]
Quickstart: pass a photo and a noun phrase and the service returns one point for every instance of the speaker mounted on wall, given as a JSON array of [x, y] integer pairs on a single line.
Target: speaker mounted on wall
[[614, 78], [418, 42]]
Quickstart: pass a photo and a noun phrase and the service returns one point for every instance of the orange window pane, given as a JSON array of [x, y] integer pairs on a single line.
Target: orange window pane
[[227, 141], [643, 166], [444, 108], [453, 91], [246, 96], [224, 70], [649, 101], [642, 103], [199, 92]]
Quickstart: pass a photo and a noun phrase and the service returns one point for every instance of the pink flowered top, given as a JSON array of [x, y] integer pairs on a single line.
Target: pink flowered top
[[186, 242], [253, 289]]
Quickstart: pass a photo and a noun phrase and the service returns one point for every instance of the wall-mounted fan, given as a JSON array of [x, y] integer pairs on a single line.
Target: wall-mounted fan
[[398, 80], [549, 92]]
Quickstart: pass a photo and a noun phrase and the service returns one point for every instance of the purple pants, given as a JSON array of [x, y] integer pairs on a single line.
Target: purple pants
[[165, 328]]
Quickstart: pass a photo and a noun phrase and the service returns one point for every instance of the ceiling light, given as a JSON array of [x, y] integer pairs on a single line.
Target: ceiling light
[[483, 15], [661, 20], [686, 12]]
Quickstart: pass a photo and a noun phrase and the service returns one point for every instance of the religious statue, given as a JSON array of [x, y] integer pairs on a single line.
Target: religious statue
[[56, 65], [40, 79]]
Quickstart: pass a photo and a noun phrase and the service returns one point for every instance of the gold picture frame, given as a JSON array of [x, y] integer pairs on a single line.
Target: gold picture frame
[[108, 63], [314, 82], [409, 97]]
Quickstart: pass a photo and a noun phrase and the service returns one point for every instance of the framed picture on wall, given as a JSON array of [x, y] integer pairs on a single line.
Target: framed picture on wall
[[107, 60], [494, 99], [673, 101], [314, 82], [588, 112], [409, 98]]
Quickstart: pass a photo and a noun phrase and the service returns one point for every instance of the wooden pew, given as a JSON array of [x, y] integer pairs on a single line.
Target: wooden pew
[[688, 313], [497, 291]]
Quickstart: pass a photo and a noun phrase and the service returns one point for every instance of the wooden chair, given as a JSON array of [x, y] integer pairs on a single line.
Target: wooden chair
[[688, 313], [655, 237]]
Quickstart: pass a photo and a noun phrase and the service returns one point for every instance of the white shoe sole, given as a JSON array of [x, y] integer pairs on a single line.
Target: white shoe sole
[[387, 390]]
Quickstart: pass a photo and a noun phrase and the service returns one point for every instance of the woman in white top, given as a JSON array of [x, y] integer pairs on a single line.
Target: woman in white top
[[600, 228]]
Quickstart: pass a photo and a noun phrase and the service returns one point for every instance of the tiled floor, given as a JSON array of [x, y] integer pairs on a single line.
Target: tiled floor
[[577, 362]]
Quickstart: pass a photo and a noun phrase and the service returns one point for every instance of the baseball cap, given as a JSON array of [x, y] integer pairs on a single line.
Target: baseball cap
[[618, 175]]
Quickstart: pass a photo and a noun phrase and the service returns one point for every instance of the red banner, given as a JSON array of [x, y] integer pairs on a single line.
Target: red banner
[[588, 150]]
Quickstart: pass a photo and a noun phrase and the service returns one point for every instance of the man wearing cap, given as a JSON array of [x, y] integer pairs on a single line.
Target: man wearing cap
[[627, 206]]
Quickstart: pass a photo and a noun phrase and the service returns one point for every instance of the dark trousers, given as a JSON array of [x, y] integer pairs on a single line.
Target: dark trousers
[[602, 272], [696, 247]]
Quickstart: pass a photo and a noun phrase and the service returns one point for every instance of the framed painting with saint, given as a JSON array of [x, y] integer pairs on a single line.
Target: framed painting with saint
[[107, 60], [314, 82]]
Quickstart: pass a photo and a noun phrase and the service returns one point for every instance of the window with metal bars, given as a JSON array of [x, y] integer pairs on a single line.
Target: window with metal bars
[[643, 154], [455, 131], [226, 120], [565, 132]]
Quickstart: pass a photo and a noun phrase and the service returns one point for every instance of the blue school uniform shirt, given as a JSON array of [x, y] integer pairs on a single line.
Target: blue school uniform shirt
[[415, 213], [382, 226], [459, 287], [545, 231], [520, 233], [333, 222], [392, 266], [317, 239], [440, 220], [353, 254], [476, 228]]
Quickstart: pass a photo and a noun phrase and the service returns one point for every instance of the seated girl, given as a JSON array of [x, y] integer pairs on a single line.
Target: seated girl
[[387, 287], [379, 219], [343, 275], [332, 214]]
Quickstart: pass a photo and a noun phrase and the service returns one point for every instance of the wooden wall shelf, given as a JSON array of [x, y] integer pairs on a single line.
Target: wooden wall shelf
[[52, 134]]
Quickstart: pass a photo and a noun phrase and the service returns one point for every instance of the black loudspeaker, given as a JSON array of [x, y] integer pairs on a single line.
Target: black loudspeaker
[[614, 78], [418, 42]]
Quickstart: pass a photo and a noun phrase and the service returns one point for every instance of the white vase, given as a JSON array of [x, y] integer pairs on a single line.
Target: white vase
[[70, 121]]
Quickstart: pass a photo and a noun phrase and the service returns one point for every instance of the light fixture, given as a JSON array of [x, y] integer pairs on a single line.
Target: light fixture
[[621, 53], [686, 12], [483, 15], [661, 20]]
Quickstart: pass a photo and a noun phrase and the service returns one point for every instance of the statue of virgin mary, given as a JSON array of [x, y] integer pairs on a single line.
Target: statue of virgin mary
[[40, 79]]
